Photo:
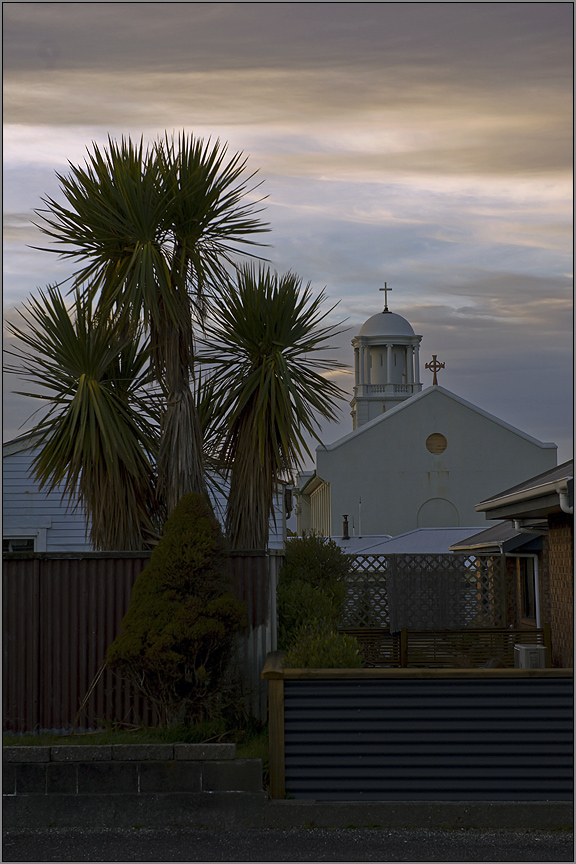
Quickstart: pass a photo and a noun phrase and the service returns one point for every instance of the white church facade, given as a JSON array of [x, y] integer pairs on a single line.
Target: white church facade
[[416, 458]]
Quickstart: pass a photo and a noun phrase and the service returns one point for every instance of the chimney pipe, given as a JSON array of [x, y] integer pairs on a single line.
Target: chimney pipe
[[345, 534]]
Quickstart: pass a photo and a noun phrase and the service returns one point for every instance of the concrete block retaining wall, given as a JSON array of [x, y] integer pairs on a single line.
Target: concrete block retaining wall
[[204, 785], [124, 785]]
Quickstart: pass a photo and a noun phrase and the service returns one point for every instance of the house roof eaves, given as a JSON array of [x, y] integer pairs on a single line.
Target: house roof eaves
[[524, 493], [500, 538], [311, 485], [20, 444]]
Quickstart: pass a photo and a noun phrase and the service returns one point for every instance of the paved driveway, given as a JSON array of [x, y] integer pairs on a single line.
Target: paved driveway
[[294, 844]]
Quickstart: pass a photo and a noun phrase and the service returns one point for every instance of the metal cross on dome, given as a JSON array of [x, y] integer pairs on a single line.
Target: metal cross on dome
[[434, 366], [385, 289]]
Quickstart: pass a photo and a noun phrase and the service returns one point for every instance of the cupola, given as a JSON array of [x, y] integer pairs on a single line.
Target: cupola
[[386, 365]]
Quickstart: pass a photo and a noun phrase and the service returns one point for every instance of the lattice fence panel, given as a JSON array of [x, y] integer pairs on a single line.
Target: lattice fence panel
[[366, 601], [426, 592]]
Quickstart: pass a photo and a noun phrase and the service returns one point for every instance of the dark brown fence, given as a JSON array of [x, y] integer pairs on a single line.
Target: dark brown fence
[[472, 647], [60, 613]]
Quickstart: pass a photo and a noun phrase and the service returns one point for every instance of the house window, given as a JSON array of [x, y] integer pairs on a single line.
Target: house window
[[527, 589], [17, 544]]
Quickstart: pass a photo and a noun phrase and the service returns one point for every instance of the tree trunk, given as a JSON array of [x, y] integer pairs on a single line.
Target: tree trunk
[[180, 467], [251, 494]]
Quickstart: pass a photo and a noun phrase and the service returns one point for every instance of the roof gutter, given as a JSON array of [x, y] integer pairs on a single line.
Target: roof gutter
[[558, 487], [564, 496], [526, 526]]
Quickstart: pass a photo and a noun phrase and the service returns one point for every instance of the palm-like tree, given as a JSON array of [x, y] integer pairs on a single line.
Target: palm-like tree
[[152, 230], [99, 438], [270, 389]]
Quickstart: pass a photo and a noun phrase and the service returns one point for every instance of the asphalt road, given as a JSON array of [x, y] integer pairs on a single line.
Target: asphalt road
[[294, 844]]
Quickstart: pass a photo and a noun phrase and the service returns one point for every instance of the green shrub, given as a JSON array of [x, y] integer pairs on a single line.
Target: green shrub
[[298, 602], [311, 584], [317, 648], [317, 560], [176, 637], [310, 597]]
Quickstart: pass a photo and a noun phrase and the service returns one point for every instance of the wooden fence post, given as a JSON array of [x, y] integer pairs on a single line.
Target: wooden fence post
[[274, 672], [404, 647]]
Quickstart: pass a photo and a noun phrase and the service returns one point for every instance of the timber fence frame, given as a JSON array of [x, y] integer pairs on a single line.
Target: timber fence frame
[[276, 675], [470, 646]]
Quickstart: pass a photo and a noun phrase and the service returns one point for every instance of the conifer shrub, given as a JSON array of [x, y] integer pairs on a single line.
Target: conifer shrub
[[176, 638], [311, 595]]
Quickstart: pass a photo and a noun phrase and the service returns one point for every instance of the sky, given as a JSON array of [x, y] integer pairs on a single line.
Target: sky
[[428, 145]]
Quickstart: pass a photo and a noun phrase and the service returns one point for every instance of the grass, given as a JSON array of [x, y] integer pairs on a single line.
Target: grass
[[246, 739]]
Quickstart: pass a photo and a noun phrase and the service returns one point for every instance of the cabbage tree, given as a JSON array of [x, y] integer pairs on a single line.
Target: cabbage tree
[[271, 388], [151, 231], [98, 440]]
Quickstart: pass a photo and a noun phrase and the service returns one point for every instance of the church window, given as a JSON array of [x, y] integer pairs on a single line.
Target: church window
[[436, 443]]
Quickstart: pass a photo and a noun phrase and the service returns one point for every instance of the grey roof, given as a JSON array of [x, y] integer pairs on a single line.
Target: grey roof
[[425, 541], [560, 472], [502, 536], [353, 544]]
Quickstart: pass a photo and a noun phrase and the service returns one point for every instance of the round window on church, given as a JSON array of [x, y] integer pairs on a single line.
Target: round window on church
[[436, 443]]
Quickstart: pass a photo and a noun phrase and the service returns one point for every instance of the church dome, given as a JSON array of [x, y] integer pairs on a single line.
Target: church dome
[[386, 324]]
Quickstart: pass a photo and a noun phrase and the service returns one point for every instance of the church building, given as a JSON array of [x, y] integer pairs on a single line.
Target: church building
[[416, 458]]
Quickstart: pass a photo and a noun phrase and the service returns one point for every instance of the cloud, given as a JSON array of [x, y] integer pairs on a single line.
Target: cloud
[[425, 144], [486, 39]]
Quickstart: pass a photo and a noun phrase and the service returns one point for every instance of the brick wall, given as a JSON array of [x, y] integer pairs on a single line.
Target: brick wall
[[561, 581], [544, 581]]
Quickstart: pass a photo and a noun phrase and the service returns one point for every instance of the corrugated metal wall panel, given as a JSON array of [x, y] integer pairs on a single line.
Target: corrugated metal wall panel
[[60, 613], [21, 626], [429, 740], [253, 584]]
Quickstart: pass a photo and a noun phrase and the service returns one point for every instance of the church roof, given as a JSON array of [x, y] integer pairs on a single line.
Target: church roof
[[386, 324], [426, 394]]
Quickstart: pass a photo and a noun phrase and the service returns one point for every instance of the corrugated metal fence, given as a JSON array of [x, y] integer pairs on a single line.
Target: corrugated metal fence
[[444, 739], [255, 578], [60, 613]]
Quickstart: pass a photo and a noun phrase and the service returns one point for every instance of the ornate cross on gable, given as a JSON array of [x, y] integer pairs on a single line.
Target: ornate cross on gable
[[385, 289], [434, 366]]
